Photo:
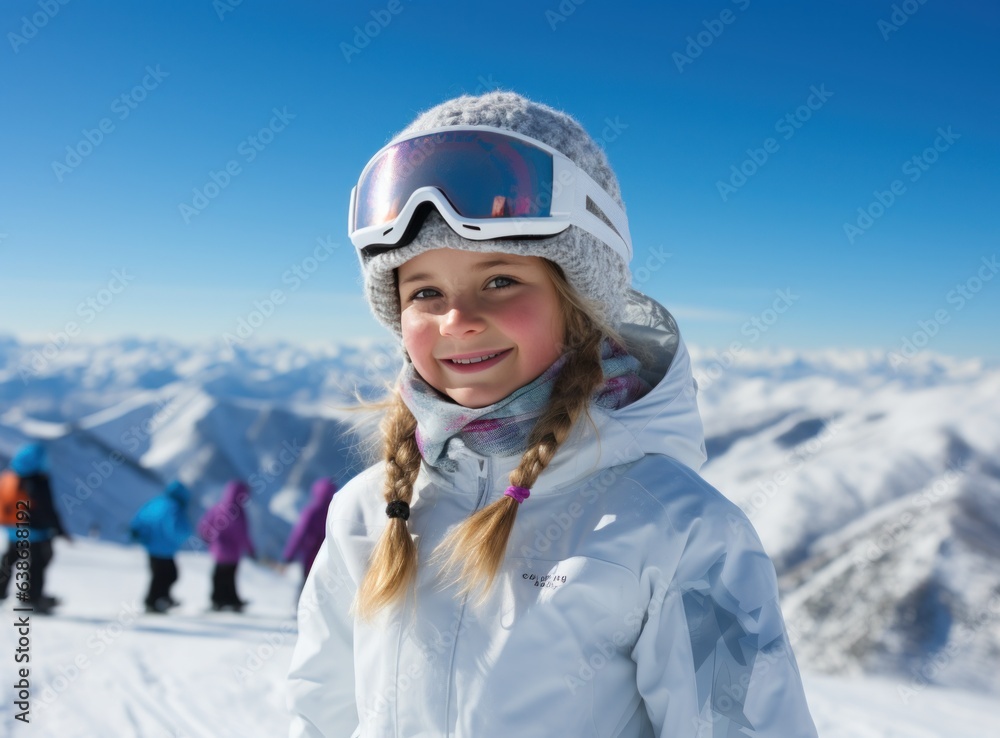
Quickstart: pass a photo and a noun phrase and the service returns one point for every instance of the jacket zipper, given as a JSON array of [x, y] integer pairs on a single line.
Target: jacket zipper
[[485, 472], [484, 476]]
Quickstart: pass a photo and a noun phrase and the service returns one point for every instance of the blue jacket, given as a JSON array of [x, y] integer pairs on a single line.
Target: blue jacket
[[161, 525]]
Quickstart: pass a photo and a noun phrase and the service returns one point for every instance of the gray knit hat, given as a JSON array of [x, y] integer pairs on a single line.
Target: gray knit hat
[[591, 267]]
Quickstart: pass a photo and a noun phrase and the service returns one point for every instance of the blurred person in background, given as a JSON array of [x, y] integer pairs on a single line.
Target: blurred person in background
[[224, 527], [162, 527], [28, 479], [308, 534]]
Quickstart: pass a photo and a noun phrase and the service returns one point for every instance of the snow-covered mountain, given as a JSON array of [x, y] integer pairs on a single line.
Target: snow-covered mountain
[[877, 493], [875, 488], [125, 417]]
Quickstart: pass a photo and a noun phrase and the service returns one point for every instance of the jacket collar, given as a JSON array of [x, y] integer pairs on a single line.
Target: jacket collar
[[666, 421]]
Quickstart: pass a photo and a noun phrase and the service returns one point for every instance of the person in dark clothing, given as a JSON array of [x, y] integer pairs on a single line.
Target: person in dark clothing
[[163, 573], [162, 526], [31, 465], [12, 503]]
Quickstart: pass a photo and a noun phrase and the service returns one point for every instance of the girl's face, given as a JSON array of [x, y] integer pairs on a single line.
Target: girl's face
[[479, 326]]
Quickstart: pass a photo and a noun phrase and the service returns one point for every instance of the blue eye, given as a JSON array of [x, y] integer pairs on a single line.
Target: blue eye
[[501, 282], [423, 294], [495, 283]]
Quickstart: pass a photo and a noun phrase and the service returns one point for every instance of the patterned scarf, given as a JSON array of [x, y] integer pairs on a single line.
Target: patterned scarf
[[502, 429]]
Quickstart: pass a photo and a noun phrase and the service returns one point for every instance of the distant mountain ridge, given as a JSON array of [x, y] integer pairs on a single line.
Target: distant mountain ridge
[[875, 488]]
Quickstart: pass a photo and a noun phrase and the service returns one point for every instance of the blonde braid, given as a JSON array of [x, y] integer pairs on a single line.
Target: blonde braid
[[393, 564], [476, 548]]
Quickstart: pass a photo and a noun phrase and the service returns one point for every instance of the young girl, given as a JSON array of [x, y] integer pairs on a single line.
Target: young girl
[[536, 555]]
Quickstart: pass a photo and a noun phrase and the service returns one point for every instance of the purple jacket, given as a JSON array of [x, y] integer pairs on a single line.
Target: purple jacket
[[308, 534], [224, 525]]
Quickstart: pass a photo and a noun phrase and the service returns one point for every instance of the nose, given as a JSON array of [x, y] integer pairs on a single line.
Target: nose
[[461, 320]]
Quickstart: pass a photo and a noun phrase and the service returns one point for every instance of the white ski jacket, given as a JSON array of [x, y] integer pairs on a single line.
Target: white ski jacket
[[635, 600]]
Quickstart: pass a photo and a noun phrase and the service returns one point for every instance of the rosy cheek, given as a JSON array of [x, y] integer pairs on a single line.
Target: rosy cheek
[[519, 317], [526, 320], [411, 326], [419, 332]]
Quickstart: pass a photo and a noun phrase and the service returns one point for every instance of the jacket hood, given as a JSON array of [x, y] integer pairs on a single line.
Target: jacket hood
[[178, 491], [235, 494], [665, 421], [323, 490]]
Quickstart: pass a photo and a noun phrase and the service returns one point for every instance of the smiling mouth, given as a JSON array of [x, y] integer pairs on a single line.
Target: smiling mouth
[[476, 360]]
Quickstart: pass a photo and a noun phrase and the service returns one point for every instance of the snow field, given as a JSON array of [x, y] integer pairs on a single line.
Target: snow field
[[103, 667]]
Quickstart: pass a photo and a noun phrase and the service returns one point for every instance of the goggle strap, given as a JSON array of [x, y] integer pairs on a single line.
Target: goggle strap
[[601, 230], [611, 210], [617, 234]]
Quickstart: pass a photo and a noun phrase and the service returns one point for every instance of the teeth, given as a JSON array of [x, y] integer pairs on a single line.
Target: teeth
[[474, 361]]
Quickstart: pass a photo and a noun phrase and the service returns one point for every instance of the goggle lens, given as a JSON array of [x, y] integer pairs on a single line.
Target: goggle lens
[[481, 173]]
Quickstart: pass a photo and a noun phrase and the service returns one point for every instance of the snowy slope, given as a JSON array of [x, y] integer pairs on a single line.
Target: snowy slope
[[103, 667], [100, 669]]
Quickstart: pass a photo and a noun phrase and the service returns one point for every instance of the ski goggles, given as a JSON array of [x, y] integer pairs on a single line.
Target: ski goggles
[[486, 183]]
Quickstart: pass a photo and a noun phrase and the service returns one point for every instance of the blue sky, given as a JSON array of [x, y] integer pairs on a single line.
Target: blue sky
[[115, 114]]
